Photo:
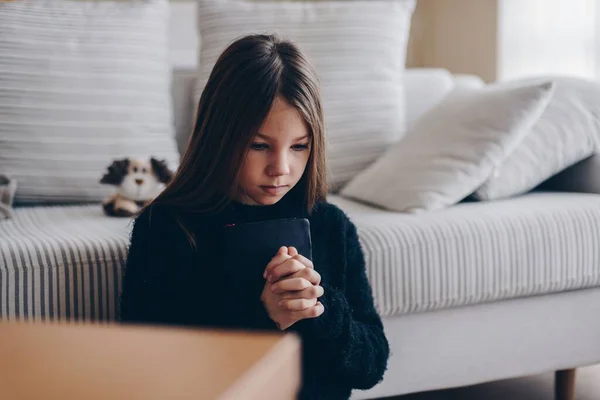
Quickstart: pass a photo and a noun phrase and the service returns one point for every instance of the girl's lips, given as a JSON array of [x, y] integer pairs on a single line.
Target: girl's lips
[[274, 190]]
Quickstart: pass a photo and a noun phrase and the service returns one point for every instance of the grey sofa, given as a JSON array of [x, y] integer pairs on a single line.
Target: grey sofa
[[478, 292]]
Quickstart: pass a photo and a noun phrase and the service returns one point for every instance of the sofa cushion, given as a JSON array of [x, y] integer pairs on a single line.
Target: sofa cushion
[[62, 263], [68, 262], [567, 132], [81, 83], [358, 49], [480, 251], [452, 149]]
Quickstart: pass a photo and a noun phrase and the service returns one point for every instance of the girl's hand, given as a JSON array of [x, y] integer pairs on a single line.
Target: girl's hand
[[297, 298], [281, 256], [278, 308], [300, 300], [287, 263]]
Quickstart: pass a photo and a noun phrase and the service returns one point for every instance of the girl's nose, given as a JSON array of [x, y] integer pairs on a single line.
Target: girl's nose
[[279, 166]]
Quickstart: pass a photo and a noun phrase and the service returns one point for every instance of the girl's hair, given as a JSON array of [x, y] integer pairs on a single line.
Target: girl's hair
[[239, 93]]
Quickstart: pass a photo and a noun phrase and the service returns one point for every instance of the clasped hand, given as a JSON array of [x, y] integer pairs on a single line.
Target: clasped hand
[[292, 288]]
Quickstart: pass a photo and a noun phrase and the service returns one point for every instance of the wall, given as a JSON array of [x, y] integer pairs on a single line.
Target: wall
[[548, 37], [460, 35], [508, 39]]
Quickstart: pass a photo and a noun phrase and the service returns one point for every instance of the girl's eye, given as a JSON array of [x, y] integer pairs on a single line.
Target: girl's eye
[[144, 170], [135, 169], [300, 147], [259, 146]]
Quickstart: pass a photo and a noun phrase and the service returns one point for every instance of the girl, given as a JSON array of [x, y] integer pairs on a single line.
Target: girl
[[258, 153]]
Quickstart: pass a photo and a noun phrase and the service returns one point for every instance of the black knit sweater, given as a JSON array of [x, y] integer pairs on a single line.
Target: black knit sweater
[[168, 282]]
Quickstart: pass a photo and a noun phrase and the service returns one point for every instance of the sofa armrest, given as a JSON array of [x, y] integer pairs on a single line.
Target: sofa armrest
[[182, 88], [467, 81]]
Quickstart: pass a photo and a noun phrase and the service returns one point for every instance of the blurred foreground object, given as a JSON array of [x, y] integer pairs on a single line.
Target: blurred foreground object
[[117, 362]]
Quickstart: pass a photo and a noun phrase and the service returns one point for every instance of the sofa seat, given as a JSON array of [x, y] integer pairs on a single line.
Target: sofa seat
[[62, 262], [479, 252], [68, 262]]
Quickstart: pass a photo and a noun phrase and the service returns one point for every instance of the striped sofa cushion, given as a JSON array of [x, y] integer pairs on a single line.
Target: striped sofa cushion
[[62, 263], [479, 252], [81, 83], [358, 49]]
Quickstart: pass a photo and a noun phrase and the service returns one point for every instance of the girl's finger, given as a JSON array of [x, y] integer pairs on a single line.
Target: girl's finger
[[292, 284], [280, 257], [292, 251], [297, 304], [311, 312], [309, 274], [288, 267], [313, 292], [307, 263]]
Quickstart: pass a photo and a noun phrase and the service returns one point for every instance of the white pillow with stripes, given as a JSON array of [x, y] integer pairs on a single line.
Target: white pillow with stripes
[[359, 51], [568, 132], [81, 83], [452, 149]]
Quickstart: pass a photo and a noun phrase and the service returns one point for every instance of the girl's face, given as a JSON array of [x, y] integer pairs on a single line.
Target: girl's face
[[277, 157]]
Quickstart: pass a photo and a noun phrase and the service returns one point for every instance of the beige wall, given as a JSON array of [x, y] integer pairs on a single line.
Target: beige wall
[[459, 35]]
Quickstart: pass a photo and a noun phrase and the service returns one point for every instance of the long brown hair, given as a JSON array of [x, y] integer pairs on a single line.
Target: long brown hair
[[239, 93]]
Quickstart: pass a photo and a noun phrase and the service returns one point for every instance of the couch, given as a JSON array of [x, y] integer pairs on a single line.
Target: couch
[[480, 291]]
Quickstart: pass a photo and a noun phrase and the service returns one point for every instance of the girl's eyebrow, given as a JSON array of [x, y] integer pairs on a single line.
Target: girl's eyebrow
[[268, 138]]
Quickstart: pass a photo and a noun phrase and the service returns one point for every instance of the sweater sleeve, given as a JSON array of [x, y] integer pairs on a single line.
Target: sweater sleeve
[[158, 255], [350, 330]]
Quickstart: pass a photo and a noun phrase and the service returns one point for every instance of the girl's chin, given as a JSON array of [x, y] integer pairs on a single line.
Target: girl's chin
[[267, 200], [260, 199]]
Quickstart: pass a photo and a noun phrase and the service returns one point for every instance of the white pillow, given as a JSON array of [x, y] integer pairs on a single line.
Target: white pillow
[[81, 83], [359, 51], [452, 149], [567, 132]]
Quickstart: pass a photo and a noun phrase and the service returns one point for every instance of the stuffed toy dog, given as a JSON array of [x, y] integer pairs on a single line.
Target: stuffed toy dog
[[137, 183]]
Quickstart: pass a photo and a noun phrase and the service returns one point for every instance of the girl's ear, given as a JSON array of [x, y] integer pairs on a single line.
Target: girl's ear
[[161, 170], [116, 172]]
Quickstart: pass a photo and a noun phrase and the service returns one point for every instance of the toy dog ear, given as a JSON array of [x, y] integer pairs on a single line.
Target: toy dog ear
[[161, 170], [116, 172]]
